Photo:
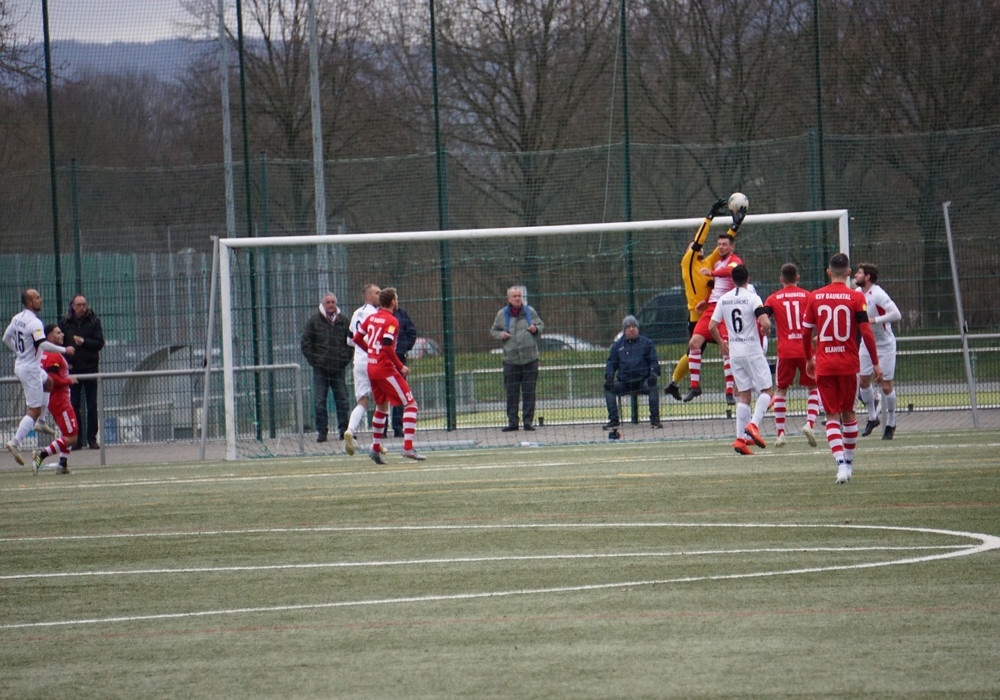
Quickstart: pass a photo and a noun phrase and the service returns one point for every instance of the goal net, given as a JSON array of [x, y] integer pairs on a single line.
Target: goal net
[[581, 279]]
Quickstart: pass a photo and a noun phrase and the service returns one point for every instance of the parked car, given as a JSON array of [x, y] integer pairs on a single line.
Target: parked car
[[664, 318], [559, 342], [423, 347]]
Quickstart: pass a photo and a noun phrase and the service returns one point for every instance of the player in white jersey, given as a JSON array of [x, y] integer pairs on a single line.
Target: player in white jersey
[[25, 336], [741, 310], [882, 311], [362, 385]]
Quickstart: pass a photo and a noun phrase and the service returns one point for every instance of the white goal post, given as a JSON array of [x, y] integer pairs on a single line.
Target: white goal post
[[228, 245]]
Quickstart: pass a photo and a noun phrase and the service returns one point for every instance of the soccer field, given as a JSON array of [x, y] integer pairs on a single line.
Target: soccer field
[[672, 569]]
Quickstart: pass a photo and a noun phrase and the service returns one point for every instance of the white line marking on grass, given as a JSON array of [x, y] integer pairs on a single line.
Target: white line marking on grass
[[507, 464], [459, 527], [463, 560], [986, 543]]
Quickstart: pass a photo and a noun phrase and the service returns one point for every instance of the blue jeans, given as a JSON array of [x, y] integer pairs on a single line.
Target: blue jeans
[[335, 381]]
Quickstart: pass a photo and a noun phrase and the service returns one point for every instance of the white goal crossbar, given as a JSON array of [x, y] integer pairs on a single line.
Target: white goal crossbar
[[227, 245]]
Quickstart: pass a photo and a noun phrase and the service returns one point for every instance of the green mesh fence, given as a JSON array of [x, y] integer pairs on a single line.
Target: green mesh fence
[[140, 178]]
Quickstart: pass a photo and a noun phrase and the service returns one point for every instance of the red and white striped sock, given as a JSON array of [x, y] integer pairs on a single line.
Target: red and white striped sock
[[694, 366], [727, 368], [779, 414], [378, 429], [409, 426], [812, 408], [836, 440], [850, 438]]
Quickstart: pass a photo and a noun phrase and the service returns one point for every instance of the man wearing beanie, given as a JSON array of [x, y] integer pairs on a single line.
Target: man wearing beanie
[[632, 367]]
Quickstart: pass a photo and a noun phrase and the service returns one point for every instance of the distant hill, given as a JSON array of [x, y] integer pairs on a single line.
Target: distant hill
[[167, 60]]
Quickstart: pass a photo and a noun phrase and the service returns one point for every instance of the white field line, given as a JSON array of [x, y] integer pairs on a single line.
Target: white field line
[[509, 463], [461, 560], [986, 543]]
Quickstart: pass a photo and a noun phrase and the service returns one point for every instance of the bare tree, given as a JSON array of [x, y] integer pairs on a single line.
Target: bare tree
[[520, 78], [17, 62], [922, 68], [720, 72], [358, 115]]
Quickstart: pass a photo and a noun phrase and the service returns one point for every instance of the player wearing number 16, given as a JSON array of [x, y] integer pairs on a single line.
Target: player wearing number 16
[[26, 337], [387, 373], [837, 315]]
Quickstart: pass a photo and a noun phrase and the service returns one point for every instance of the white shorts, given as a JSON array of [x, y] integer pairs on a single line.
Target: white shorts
[[751, 372], [33, 382], [362, 384], [886, 360]]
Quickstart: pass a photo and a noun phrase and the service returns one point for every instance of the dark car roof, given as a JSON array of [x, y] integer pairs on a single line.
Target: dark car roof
[[664, 318]]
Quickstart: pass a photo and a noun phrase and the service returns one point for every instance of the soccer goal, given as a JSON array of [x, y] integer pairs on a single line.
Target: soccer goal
[[581, 279]]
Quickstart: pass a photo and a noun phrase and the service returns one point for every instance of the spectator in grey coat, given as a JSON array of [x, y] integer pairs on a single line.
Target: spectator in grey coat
[[518, 325]]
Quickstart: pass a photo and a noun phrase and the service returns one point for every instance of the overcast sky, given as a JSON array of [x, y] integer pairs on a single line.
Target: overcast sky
[[102, 21]]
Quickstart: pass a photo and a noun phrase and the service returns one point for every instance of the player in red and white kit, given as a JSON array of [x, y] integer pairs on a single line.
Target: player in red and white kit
[[786, 306], [57, 369], [387, 373], [838, 315], [722, 274]]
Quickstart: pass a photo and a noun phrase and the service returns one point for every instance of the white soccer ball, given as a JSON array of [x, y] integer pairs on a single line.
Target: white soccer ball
[[738, 201]]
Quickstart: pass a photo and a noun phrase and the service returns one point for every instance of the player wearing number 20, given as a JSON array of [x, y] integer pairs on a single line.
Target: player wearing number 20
[[741, 310], [838, 315]]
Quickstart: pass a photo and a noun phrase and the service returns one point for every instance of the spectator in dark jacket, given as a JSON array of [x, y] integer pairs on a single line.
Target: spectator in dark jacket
[[324, 344], [82, 330], [632, 367], [404, 343]]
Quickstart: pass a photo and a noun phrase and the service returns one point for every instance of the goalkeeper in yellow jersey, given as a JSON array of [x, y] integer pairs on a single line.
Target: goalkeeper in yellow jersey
[[697, 287]]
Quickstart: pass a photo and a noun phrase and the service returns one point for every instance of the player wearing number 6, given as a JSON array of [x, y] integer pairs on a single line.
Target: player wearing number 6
[[741, 310], [837, 315]]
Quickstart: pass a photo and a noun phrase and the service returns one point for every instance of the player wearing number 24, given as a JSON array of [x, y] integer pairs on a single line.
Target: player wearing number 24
[[387, 373]]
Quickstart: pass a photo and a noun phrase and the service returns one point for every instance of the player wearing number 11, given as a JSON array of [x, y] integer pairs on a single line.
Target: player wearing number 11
[[837, 315], [786, 306]]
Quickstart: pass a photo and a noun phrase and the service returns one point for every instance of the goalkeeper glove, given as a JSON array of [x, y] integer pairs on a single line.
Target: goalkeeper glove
[[738, 217], [720, 207]]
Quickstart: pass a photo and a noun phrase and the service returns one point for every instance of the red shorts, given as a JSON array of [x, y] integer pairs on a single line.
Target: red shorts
[[391, 388], [838, 392], [786, 369], [701, 328], [65, 417]]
